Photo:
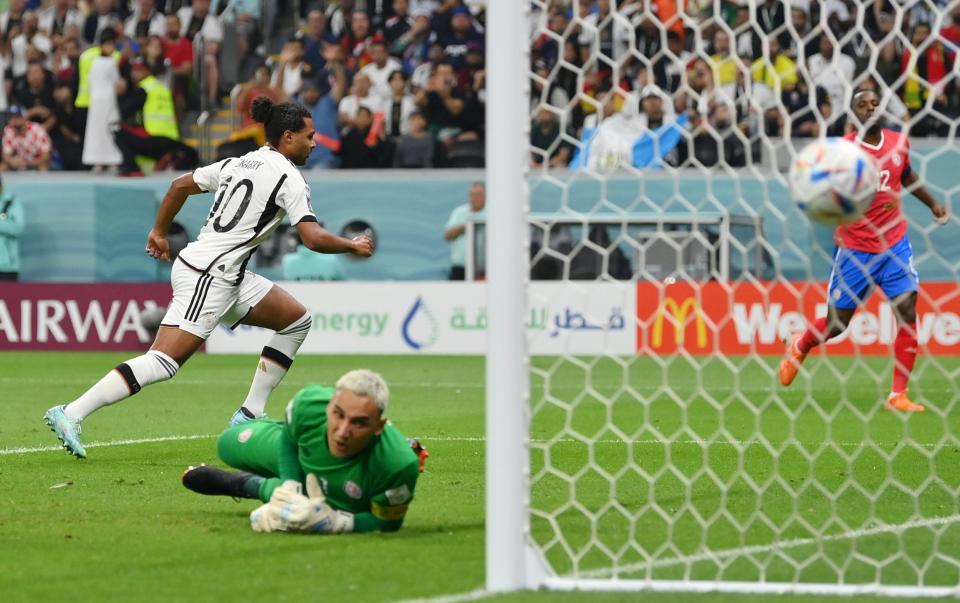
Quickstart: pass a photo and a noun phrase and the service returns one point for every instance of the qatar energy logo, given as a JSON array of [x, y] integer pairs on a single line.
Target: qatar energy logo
[[419, 328]]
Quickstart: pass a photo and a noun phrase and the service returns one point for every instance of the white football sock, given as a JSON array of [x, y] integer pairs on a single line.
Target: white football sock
[[275, 361], [122, 382]]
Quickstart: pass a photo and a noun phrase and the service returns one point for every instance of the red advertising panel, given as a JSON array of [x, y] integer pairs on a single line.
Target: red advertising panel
[[744, 318], [70, 316]]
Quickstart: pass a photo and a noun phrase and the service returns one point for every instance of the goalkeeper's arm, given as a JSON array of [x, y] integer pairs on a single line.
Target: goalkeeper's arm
[[289, 471], [387, 509], [288, 458], [291, 511], [321, 518], [368, 522], [288, 461], [316, 515]]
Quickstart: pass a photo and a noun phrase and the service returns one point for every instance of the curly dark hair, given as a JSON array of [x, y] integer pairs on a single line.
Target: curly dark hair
[[278, 118]]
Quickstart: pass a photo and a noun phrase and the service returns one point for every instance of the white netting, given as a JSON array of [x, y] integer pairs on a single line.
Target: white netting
[[684, 460]]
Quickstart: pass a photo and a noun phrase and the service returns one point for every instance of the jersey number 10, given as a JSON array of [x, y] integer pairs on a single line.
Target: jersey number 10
[[220, 207]]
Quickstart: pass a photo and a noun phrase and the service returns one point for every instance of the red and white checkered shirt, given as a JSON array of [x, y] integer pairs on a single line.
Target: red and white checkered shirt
[[30, 145]]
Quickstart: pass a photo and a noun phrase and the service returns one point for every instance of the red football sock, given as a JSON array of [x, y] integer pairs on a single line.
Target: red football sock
[[813, 336], [905, 355]]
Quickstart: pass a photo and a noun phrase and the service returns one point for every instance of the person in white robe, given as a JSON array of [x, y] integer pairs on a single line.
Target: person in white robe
[[99, 149]]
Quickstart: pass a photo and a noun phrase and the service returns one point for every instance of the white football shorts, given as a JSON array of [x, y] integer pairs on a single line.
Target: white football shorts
[[201, 301]]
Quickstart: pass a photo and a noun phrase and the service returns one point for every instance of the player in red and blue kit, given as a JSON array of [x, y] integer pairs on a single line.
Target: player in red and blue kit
[[874, 252]]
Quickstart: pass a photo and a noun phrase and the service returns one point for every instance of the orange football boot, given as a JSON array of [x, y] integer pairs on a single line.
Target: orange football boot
[[790, 364], [901, 401]]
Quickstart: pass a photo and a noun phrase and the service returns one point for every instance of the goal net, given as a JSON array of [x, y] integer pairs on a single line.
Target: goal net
[[647, 265]]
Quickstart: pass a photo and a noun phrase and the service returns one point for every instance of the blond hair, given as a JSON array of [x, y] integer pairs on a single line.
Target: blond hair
[[364, 382]]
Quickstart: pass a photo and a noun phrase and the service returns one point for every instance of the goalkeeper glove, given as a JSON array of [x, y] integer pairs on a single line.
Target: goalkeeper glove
[[313, 514], [288, 491], [268, 517]]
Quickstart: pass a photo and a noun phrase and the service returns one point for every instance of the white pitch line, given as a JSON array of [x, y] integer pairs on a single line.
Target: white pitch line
[[444, 385], [473, 595], [885, 528], [650, 442], [188, 381], [106, 444], [578, 387], [426, 440]]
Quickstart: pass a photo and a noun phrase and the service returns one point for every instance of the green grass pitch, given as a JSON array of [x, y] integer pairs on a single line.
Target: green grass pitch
[[118, 526]]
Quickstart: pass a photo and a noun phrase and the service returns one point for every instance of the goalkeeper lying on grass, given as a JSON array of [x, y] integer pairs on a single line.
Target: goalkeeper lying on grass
[[336, 465]]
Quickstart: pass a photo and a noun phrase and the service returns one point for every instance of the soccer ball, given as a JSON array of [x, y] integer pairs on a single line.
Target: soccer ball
[[833, 181]]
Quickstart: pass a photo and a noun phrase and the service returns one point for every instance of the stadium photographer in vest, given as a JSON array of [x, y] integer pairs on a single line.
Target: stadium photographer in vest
[[11, 226], [148, 125]]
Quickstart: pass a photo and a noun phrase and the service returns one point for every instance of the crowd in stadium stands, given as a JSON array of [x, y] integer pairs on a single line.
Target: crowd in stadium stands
[[108, 84], [726, 73]]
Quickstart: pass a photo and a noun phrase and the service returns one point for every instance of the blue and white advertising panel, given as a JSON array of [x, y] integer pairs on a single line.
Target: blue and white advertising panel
[[448, 318]]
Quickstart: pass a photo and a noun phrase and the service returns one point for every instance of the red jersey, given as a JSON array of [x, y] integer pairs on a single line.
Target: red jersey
[[179, 51], [882, 225]]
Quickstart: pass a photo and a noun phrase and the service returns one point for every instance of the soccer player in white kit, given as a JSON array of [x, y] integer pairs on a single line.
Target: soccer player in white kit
[[252, 194]]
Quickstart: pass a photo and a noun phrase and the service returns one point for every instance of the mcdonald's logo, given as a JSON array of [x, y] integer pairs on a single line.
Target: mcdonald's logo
[[679, 313]]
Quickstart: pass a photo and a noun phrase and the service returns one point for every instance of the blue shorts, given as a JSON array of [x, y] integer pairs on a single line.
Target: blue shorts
[[856, 273]]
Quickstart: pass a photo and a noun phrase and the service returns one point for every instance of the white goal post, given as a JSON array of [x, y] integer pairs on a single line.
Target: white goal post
[[508, 389]]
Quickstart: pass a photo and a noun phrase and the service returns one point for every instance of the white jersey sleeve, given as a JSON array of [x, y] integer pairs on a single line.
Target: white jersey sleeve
[[208, 176], [295, 200]]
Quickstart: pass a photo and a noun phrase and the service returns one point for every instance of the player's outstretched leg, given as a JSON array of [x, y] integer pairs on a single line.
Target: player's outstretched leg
[[276, 358], [213, 481], [790, 365], [821, 330], [901, 401], [798, 348], [171, 349], [252, 448], [122, 382], [279, 311], [68, 431]]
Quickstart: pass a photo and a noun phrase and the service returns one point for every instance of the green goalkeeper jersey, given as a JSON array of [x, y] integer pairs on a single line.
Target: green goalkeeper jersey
[[378, 482]]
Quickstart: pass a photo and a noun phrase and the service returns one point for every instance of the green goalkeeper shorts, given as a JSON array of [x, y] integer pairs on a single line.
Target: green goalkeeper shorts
[[253, 446]]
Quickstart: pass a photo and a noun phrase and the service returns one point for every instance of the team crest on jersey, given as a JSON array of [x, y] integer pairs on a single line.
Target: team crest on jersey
[[208, 321], [352, 490], [245, 435], [896, 159]]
